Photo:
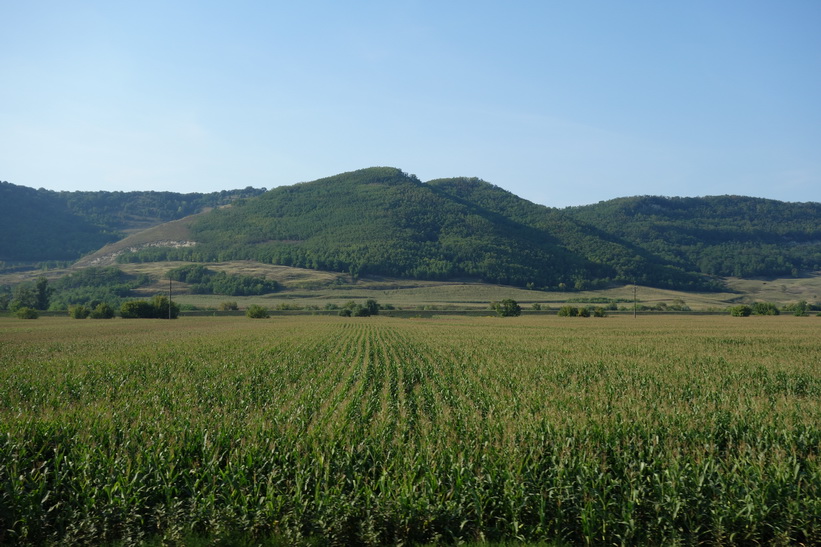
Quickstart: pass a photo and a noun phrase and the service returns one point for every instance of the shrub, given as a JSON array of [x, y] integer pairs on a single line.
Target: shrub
[[256, 312], [78, 312], [102, 311], [741, 310], [568, 311], [27, 313], [228, 306], [507, 308], [765, 308], [157, 308]]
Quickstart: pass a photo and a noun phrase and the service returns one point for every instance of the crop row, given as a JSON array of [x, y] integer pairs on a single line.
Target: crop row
[[383, 430]]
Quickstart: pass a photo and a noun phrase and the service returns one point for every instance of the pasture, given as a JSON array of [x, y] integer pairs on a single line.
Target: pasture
[[380, 430]]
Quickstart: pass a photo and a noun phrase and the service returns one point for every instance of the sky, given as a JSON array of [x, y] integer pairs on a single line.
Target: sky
[[562, 103]]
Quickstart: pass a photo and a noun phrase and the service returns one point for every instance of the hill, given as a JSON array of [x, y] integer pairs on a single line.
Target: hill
[[382, 221], [43, 225]]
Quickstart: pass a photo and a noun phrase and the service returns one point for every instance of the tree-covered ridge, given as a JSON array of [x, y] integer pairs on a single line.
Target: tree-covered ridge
[[40, 225], [718, 235], [383, 221]]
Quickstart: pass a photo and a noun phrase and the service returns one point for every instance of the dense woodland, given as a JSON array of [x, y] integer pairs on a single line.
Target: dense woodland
[[382, 221], [43, 225]]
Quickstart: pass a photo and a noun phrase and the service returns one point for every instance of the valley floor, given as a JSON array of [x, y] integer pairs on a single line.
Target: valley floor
[[380, 430]]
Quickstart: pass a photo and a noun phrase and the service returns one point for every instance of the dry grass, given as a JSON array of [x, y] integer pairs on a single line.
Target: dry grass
[[316, 288]]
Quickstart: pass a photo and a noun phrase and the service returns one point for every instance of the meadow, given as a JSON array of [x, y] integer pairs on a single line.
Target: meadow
[[330, 430]]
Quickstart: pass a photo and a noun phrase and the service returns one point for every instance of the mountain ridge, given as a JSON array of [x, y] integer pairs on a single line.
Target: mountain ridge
[[382, 221]]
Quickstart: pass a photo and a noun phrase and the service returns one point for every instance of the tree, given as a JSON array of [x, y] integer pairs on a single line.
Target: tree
[[137, 309], [568, 311], [157, 308], [27, 313], [43, 293], [256, 312], [742, 310], [78, 312], [102, 311], [372, 306], [24, 297], [161, 304], [507, 308], [765, 308]]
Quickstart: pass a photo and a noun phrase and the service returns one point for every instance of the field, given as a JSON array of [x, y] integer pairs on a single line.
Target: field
[[380, 430], [302, 287]]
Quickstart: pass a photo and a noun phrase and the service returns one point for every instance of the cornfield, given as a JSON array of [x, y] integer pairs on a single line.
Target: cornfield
[[328, 430]]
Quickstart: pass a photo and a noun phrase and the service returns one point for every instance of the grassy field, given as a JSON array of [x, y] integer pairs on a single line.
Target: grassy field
[[379, 430], [304, 287]]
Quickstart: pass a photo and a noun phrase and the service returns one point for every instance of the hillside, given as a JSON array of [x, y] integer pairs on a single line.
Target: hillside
[[381, 221], [719, 235], [42, 225]]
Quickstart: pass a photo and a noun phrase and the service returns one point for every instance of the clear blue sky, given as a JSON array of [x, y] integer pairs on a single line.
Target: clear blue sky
[[562, 103]]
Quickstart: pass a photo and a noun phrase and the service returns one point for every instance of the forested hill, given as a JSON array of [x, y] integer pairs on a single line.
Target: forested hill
[[720, 235], [383, 221], [41, 225]]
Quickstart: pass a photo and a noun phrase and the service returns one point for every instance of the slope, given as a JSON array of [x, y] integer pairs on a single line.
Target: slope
[[383, 221], [40, 225], [718, 235]]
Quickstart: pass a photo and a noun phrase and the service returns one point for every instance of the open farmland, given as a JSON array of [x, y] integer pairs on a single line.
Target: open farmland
[[384, 430]]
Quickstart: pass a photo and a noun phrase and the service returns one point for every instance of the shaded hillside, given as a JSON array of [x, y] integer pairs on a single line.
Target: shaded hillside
[[382, 221], [720, 235], [621, 259], [39, 225]]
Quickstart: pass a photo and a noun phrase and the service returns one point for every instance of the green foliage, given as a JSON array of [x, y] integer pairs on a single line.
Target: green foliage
[[94, 285], [372, 306], [24, 296], [79, 312], [27, 313], [326, 432], [720, 235], [228, 306], [354, 309], [205, 281], [45, 225], [568, 311], [741, 310], [43, 293], [255, 311], [800, 309], [507, 308], [32, 295], [765, 308], [102, 311], [157, 308]]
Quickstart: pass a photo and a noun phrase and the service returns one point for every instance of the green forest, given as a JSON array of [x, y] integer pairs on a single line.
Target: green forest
[[383, 221], [44, 225]]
